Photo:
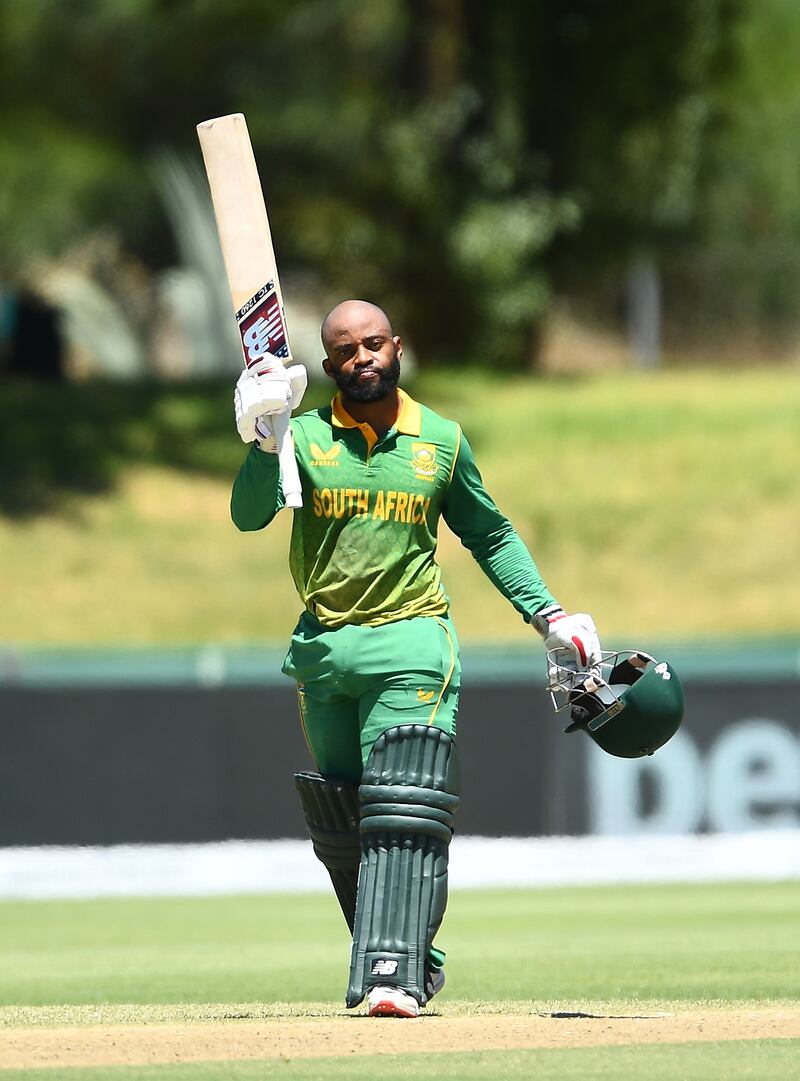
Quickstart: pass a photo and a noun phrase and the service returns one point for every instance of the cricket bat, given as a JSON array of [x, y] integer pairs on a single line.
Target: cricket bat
[[246, 242]]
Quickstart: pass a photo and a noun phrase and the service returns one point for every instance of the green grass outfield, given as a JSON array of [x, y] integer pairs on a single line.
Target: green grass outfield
[[665, 504], [621, 949], [755, 1060], [710, 942]]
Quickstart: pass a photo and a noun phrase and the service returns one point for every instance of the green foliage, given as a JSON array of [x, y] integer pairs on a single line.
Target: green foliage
[[57, 181], [59, 441], [453, 161], [741, 255], [98, 429]]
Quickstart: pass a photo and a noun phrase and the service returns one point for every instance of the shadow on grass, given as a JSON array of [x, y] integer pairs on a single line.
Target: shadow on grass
[[63, 439]]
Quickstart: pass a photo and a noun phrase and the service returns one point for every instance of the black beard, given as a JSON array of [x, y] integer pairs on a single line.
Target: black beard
[[375, 389]]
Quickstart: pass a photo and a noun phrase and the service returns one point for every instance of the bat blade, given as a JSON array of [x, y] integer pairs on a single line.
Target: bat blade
[[249, 257], [262, 326]]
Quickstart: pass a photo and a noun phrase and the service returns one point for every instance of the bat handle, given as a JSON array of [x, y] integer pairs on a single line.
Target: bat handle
[[290, 478]]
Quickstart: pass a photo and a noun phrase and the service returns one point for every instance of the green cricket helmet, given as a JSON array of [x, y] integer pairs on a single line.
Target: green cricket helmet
[[630, 704]]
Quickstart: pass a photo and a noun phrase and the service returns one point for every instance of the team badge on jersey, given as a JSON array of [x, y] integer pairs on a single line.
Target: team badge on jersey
[[423, 460]]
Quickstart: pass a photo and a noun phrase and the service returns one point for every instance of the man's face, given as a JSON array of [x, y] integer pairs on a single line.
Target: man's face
[[363, 358]]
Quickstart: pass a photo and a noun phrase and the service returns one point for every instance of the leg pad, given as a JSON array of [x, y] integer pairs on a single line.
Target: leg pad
[[332, 817], [408, 799]]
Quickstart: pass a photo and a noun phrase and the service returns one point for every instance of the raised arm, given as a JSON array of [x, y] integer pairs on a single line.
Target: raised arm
[[257, 495], [261, 393]]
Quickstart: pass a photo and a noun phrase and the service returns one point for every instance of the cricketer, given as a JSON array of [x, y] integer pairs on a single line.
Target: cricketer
[[375, 654]]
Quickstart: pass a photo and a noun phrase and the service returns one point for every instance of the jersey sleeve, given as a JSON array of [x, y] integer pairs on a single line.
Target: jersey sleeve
[[257, 495], [473, 516]]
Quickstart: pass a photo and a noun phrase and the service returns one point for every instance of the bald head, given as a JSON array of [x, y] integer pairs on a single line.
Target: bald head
[[354, 319], [362, 353]]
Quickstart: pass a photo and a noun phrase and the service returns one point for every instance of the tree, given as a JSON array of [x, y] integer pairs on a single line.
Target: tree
[[452, 160]]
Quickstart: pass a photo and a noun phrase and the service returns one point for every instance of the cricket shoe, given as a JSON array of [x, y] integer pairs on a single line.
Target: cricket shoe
[[391, 1002]]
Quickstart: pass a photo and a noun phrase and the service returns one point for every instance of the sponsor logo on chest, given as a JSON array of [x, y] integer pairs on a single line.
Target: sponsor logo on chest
[[320, 457]]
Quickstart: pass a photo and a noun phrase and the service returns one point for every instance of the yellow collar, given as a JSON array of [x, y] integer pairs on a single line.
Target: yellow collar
[[408, 422]]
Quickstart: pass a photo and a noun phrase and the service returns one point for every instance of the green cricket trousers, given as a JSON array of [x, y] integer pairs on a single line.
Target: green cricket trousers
[[355, 682]]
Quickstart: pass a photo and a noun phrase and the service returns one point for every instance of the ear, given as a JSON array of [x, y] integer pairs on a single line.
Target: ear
[[398, 344], [327, 367]]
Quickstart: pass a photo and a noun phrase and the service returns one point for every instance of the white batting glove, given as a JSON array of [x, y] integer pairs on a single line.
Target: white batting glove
[[264, 390], [575, 635], [264, 429]]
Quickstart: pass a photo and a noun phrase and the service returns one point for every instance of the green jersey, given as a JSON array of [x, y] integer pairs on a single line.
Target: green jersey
[[363, 547]]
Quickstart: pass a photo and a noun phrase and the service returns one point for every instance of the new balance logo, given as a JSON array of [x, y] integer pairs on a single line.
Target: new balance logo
[[383, 967], [259, 338]]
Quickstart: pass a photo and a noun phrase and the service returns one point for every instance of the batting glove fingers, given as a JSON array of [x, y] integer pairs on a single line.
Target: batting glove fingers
[[296, 374], [265, 390]]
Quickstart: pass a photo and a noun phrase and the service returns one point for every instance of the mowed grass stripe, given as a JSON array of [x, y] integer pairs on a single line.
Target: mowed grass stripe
[[738, 942], [735, 1060]]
